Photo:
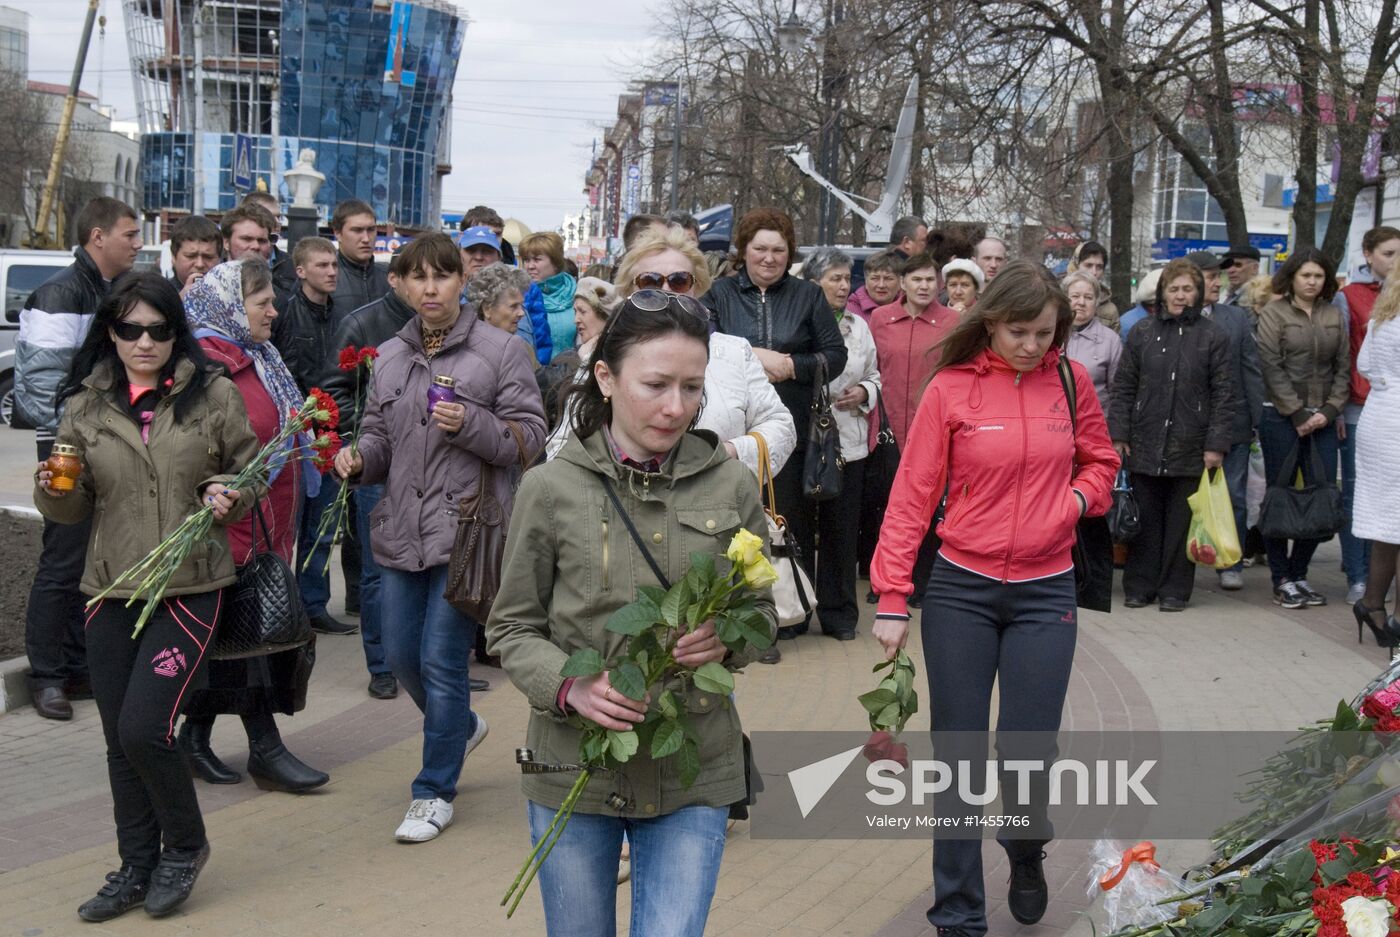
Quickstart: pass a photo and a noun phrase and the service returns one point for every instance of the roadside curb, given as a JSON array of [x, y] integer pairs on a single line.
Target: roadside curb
[[14, 688]]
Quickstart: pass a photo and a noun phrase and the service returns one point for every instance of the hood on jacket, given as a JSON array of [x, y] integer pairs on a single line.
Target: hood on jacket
[[698, 450], [226, 353]]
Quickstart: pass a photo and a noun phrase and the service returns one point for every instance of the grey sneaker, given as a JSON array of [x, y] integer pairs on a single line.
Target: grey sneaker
[[1231, 580], [1356, 592], [1311, 595]]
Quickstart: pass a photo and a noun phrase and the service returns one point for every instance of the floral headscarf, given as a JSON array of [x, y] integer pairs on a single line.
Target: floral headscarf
[[214, 305]]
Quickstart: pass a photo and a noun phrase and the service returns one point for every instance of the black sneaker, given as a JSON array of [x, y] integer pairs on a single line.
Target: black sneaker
[[1287, 595], [173, 879], [325, 624], [1137, 601], [1028, 895], [383, 686], [1311, 595], [125, 889]]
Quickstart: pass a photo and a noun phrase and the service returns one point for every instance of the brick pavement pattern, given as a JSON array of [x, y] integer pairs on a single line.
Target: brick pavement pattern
[[326, 863]]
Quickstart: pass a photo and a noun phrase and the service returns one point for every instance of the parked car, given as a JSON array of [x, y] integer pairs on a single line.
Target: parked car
[[21, 273]]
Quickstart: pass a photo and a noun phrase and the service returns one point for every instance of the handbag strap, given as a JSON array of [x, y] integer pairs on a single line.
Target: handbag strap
[[1290, 463], [1067, 382], [884, 434], [259, 521], [636, 537], [765, 476]]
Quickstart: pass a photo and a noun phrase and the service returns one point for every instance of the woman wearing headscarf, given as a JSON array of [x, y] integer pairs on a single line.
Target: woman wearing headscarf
[[231, 313]]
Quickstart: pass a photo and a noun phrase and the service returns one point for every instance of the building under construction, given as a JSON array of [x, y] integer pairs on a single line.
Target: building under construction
[[366, 84]]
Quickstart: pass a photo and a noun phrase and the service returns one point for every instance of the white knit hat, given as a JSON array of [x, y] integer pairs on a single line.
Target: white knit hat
[[1147, 286], [962, 265], [600, 294]]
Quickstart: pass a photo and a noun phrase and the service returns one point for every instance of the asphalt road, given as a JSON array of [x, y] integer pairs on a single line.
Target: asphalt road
[[18, 458]]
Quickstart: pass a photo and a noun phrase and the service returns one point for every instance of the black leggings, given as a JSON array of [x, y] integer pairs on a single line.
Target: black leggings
[[140, 684]]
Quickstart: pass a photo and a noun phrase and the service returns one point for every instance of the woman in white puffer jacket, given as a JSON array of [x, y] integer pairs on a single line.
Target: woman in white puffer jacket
[[854, 393], [739, 400]]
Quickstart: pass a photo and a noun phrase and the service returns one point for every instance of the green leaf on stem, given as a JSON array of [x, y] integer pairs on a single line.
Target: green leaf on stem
[[675, 600], [629, 680], [668, 705], [634, 618], [654, 594], [728, 629], [876, 700], [585, 662], [713, 678], [667, 740], [688, 759], [622, 745], [704, 565]]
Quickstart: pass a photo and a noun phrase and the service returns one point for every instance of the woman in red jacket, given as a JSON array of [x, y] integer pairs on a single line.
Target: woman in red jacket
[[994, 431]]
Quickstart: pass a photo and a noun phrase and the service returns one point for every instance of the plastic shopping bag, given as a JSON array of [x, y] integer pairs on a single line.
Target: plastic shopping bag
[[1212, 540], [1255, 486]]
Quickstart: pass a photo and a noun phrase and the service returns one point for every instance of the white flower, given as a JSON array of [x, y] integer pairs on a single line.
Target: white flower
[[1389, 773], [1366, 917]]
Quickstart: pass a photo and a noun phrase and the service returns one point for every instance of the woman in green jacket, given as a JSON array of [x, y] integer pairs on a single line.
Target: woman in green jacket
[[160, 432], [571, 563]]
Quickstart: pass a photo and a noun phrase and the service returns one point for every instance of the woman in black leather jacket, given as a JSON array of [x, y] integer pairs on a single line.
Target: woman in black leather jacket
[[789, 324]]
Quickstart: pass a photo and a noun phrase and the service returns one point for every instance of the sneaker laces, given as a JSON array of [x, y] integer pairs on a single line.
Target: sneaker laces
[[1302, 586], [1028, 864], [420, 810]]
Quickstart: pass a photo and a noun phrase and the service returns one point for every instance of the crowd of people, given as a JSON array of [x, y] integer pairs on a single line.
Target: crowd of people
[[980, 408]]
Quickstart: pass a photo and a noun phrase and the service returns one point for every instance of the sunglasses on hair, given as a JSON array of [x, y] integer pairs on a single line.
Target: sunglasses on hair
[[131, 332], [660, 300], [680, 281]]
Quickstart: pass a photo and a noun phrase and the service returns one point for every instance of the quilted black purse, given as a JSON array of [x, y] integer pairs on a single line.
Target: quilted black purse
[[823, 465], [1124, 519], [263, 612]]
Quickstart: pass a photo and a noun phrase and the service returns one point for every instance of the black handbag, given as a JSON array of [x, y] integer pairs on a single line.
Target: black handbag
[[1312, 512], [823, 465], [1093, 544], [1124, 520], [263, 611]]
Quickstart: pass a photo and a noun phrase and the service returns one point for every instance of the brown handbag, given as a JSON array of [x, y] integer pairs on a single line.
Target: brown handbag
[[474, 575]]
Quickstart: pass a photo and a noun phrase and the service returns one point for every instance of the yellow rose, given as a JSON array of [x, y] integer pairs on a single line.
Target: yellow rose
[[744, 548], [760, 574]]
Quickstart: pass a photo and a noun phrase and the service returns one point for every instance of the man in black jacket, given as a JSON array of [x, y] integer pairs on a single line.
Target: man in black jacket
[[361, 280], [1249, 400], [194, 249], [302, 332], [284, 276], [52, 325]]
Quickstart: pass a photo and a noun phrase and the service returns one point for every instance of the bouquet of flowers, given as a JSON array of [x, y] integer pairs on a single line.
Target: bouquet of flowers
[[153, 573], [1326, 759], [654, 623], [361, 361]]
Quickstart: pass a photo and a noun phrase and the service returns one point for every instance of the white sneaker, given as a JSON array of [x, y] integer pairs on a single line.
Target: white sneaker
[[1356, 592], [424, 821], [478, 736], [1231, 580]]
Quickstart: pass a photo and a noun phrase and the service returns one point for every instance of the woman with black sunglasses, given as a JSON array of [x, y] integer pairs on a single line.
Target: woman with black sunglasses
[[160, 432]]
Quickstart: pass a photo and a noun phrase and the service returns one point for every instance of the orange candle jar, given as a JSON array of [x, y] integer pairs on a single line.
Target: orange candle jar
[[65, 466]]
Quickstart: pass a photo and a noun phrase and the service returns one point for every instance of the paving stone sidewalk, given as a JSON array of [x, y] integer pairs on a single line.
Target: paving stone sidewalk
[[326, 863]]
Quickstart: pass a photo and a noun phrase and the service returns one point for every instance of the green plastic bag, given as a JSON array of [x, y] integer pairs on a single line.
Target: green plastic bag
[[1212, 540]]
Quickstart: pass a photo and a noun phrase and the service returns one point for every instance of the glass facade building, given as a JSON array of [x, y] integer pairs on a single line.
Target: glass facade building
[[366, 84]]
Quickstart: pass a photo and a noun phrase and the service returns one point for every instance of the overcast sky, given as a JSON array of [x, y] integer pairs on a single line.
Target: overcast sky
[[535, 84]]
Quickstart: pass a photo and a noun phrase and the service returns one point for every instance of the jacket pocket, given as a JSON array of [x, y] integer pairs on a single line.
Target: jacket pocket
[[706, 530], [959, 509]]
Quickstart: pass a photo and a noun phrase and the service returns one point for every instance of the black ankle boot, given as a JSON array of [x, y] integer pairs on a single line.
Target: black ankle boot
[[273, 768], [193, 742], [173, 879], [125, 889], [1028, 895]]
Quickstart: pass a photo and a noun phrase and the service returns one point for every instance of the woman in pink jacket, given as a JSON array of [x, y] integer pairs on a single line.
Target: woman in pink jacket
[[994, 429]]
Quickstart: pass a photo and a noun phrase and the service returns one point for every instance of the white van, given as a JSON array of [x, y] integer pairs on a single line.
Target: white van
[[21, 273]]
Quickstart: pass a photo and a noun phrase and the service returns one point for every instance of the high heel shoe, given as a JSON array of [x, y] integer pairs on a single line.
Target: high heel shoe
[[1385, 635]]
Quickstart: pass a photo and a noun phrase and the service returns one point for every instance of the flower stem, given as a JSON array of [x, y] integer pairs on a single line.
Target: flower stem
[[545, 845]]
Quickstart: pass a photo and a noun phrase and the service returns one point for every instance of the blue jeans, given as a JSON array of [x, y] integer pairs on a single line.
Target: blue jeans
[[1356, 553], [675, 865], [371, 622], [314, 580], [1237, 481], [1277, 437], [428, 643]]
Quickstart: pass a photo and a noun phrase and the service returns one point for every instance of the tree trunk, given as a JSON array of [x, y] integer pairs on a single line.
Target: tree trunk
[[1121, 202], [1305, 205], [1220, 119]]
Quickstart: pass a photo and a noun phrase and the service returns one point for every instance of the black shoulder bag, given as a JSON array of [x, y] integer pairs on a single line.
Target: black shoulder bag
[[264, 613], [822, 465], [1313, 512], [1093, 544]]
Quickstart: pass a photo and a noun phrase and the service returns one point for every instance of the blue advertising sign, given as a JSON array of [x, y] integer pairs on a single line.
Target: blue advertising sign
[[1168, 248], [243, 162]]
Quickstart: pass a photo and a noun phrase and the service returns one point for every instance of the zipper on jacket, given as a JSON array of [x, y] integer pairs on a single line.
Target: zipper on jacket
[[607, 579], [1020, 479]]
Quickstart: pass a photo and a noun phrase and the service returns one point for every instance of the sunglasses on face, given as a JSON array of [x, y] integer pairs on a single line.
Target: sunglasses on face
[[653, 300], [679, 282], [131, 332]]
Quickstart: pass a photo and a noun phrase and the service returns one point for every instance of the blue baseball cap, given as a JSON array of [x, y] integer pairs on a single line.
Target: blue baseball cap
[[479, 235]]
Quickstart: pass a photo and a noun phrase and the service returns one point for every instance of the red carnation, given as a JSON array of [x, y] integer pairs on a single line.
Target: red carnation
[[349, 358], [325, 402], [368, 354], [326, 446]]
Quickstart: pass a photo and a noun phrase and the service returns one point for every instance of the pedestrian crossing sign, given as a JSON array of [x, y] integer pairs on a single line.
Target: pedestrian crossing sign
[[243, 162]]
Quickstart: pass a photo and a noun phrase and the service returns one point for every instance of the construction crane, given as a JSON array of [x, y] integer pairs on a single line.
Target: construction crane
[[40, 239]]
